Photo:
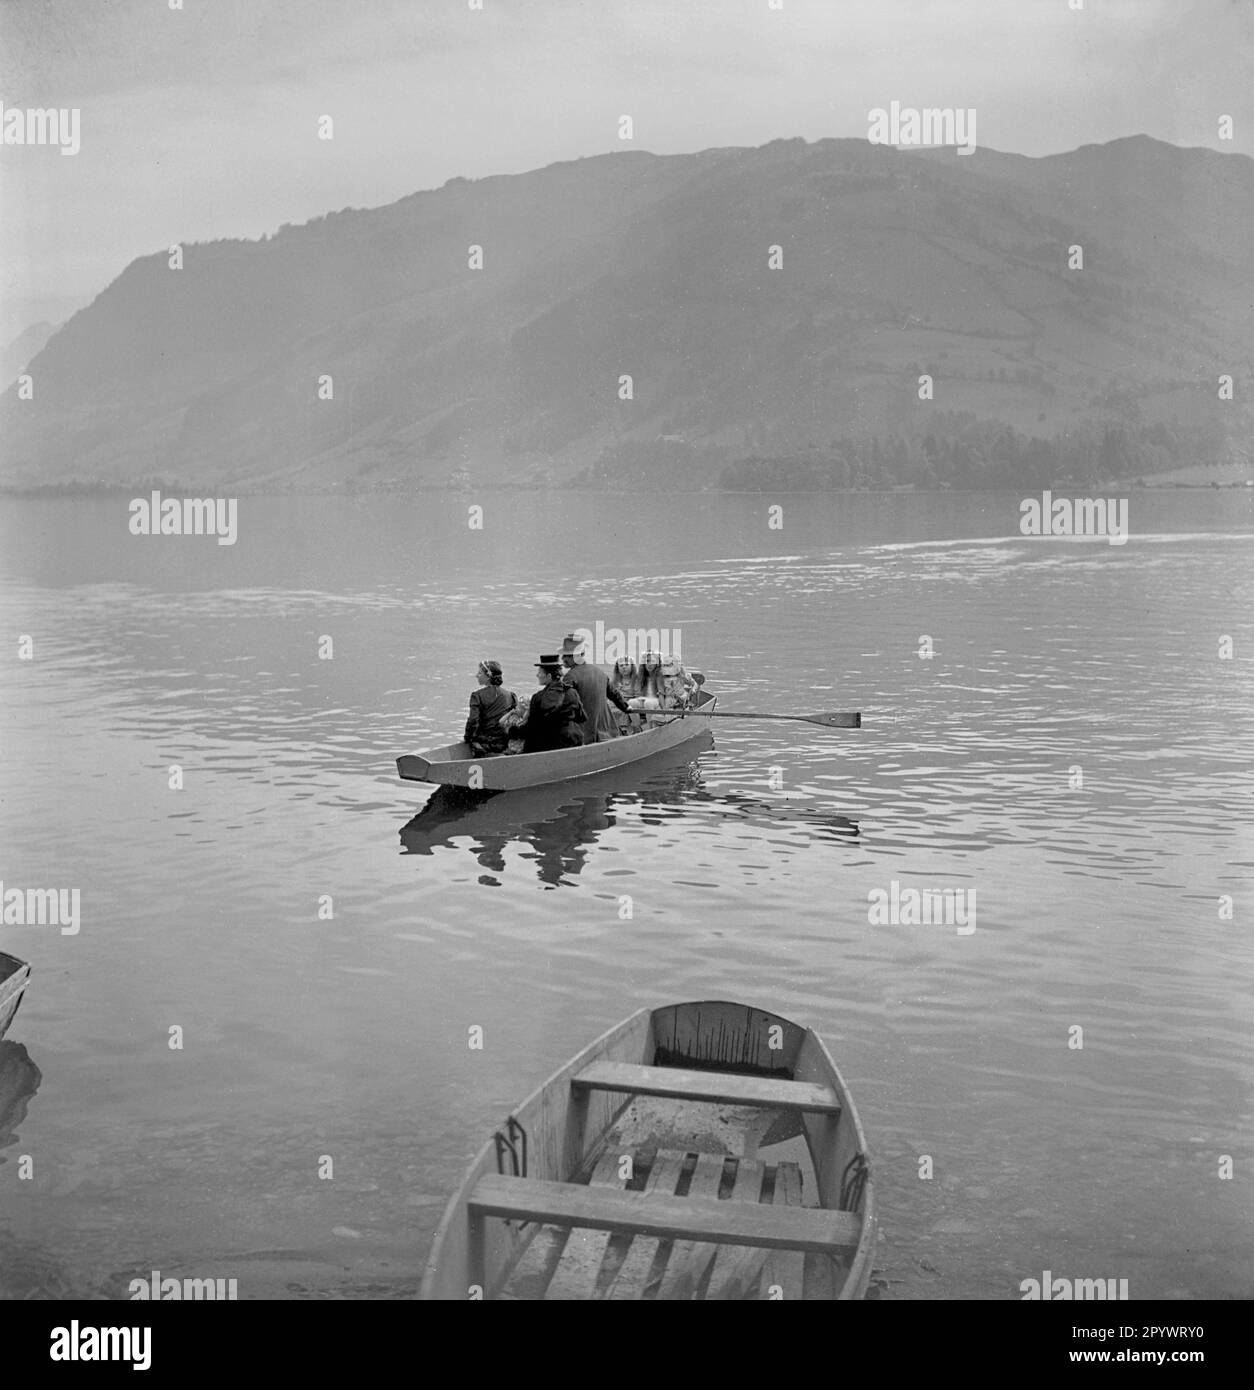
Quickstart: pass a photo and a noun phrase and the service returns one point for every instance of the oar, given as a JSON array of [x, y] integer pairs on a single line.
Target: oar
[[826, 721]]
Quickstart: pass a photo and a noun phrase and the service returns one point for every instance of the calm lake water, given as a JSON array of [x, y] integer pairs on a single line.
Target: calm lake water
[[749, 866]]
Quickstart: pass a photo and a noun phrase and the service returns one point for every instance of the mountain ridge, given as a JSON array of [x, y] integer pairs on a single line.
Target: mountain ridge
[[895, 265]]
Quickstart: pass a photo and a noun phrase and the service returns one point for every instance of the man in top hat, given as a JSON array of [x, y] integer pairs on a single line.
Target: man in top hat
[[595, 691], [555, 712]]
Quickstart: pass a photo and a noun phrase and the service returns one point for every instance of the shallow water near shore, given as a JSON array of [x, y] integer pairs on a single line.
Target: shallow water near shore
[[1075, 756]]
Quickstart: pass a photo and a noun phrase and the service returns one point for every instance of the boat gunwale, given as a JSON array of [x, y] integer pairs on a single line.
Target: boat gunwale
[[14, 964], [860, 1265], [458, 1202], [13, 983]]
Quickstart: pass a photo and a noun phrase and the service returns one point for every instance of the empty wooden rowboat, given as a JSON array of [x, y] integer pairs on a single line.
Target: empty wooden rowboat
[[705, 1150], [14, 975]]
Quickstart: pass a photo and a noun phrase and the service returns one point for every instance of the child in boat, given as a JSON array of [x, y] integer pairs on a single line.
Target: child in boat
[[484, 734], [648, 683], [626, 678], [677, 686], [626, 681], [651, 676]]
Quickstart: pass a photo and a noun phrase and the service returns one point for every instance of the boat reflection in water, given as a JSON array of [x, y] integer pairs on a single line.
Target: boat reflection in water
[[19, 1076], [559, 823], [19, 1080]]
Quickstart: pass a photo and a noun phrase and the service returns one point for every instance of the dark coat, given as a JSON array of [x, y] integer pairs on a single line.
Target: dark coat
[[553, 719], [483, 729], [596, 694]]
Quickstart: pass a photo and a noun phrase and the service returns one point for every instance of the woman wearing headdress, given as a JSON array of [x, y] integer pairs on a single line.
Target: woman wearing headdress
[[488, 704]]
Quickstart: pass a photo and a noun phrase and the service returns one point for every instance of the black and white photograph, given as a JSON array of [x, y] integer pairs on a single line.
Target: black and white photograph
[[626, 662]]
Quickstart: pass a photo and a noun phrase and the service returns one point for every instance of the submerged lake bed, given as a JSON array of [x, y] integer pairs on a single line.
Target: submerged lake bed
[[253, 1059]]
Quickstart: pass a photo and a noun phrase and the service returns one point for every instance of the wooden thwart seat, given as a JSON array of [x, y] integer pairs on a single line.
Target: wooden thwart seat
[[726, 1087], [668, 1218]]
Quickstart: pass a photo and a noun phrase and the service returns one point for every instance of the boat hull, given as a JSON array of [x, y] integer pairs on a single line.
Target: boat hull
[[455, 767], [572, 1131], [14, 975]]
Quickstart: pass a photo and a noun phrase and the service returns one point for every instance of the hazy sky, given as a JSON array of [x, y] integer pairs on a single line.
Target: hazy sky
[[202, 123]]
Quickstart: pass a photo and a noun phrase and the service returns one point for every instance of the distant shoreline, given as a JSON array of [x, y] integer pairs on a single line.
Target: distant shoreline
[[170, 489]]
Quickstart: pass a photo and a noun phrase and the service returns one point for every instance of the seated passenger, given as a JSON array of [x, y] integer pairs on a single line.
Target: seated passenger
[[626, 678], [596, 693], [649, 684], [556, 711], [677, 685], [488, 704], [626, 682], [651, 676]]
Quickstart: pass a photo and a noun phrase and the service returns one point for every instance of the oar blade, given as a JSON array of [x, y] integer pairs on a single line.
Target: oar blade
[[831, 720]]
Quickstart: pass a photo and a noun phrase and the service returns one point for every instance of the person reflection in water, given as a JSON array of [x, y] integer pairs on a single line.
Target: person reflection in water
[[19, 1080], [562, 844], [550, 830]]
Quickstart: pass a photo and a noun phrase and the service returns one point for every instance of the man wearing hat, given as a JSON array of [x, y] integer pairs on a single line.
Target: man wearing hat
[[555, 712], [595, 691]]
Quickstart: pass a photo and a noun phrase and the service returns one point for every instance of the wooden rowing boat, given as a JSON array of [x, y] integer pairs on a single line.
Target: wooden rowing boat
[[453, 813], [705, 1150], [454, 766], [14, 975]]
